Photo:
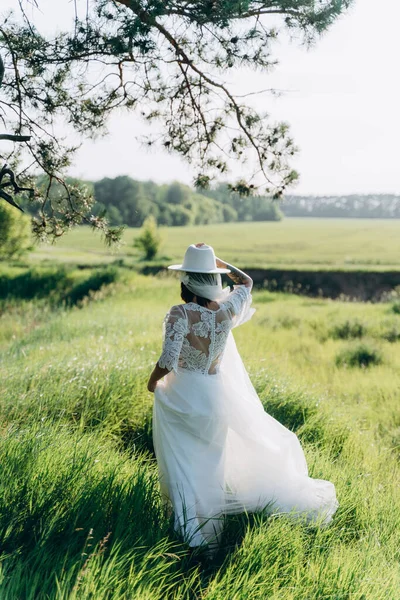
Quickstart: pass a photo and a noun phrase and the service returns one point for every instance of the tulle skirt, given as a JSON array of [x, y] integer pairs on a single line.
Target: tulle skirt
[[219, 452]]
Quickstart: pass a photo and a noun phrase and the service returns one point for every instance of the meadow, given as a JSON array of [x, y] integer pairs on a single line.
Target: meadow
[[302, 243], [80, 511]]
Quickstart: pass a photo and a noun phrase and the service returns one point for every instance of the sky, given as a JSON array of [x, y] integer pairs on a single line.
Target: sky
[[341, 98]]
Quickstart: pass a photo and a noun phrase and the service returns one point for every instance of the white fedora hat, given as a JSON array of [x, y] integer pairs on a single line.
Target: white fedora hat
[[199, 260]]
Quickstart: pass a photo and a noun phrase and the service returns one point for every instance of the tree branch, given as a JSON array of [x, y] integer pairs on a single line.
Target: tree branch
[[14, 138], [148, 19], [1, 71]]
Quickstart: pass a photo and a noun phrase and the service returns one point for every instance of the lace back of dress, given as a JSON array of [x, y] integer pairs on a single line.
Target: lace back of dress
[[207, 334], [195, 337]]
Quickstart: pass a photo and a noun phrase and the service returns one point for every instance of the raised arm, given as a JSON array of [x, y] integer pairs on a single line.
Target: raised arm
[[238, 277]]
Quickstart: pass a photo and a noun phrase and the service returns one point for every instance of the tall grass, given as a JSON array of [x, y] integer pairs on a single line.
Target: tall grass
[[80, 510]]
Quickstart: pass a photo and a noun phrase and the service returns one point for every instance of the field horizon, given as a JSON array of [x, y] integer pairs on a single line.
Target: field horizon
[[301, 243]]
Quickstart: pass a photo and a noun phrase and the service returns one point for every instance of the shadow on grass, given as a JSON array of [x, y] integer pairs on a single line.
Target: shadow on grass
[[139, 437], [58, 285], [67, 502]]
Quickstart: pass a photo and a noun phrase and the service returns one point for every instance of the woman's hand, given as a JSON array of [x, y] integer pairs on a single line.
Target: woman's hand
[[220, 263], [151, 386], [157, 374], [200, 244]]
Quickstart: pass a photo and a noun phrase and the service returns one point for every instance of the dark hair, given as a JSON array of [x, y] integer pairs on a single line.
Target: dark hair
[[187, 296]]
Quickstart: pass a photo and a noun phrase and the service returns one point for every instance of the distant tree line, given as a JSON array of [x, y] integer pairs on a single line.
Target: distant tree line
[[377, 206], [129, 202], [126, 201]]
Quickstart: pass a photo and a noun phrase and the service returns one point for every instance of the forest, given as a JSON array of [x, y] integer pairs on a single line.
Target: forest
[[127, 201]]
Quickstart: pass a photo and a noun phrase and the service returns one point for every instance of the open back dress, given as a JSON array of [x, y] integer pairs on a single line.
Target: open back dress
[[217, 450]]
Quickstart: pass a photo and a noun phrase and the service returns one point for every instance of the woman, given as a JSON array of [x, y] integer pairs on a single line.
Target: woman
[[217, 450]]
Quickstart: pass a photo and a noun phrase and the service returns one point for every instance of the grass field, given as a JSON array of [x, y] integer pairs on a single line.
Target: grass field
[[302, 243], [80, 513]]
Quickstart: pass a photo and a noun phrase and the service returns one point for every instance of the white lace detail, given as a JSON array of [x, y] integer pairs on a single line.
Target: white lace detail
[[175, 329], [195, 336], [192, 359], [238, 299], [202, 328]]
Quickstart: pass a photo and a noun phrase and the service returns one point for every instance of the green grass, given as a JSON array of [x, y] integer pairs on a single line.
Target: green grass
[[293, 243], [80, 512], [56, 285]]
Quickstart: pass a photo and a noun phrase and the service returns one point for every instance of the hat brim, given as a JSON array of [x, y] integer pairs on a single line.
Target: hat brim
[[181, 268]]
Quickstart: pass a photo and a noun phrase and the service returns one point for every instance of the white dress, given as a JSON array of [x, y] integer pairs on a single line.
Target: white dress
[[217, 450]]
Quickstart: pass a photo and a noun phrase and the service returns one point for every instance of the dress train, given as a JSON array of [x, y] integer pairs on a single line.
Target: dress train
[[219, 452]]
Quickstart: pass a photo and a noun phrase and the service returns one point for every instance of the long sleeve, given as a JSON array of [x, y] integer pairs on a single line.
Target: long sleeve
[[238, 303], [175, 328]]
